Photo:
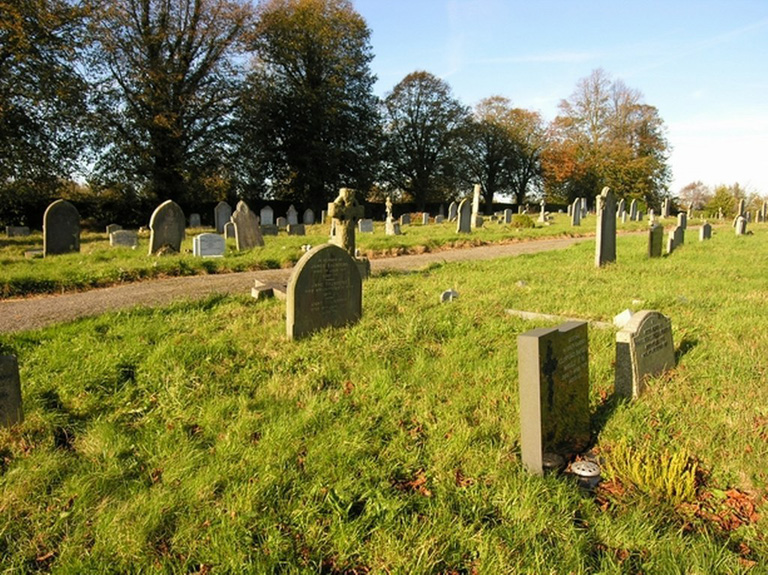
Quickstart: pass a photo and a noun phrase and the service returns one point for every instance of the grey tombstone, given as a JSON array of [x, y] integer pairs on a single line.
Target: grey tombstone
[[621, 209], [553, 366], [113, 228], [194, 221], [392, 228], [605, 242], [308, 217], [520, 209], [167, 226], [633, 210], [267, 216], [325, 290], [16, 231], [542, 213], [247, 231], [508, 216], [584, 210], [623, 217], [296, 230], [365, 226], [405, 219], [221, 215], [229, 230], [682, 220], [61, 229], [323, 216], [644, 348], [741, 226], [439, 219], [670, 243], [679, 233], [463, 224], [665, 208], [639, 215], [292, 216], [740, 208], [576, 212], [476, 221], [209, 245], [11, 411], [453, 211], [424, 219], [705, 232], [281, 222], [570, 209], [655, 240], [124, 238], [749, 217]]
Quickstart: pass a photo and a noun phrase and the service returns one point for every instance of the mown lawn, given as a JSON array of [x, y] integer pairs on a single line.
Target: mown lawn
[[197, 439]]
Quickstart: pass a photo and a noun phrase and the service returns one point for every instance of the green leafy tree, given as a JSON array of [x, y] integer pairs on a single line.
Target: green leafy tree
[[309, 120], [423, 124]]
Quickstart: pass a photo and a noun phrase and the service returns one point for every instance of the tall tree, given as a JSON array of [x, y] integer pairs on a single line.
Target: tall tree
[[42, 99], [309, 121], [422, 125], [168, 87], [529, 138]]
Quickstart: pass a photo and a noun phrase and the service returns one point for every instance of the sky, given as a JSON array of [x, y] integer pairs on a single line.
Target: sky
[[702, 64]]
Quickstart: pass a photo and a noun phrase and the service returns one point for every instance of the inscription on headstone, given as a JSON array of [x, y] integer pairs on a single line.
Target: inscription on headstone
[[644, 348], [11, 411], [61, 229]]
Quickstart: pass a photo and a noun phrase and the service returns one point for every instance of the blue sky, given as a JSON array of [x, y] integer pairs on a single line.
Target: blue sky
[[703, 64]]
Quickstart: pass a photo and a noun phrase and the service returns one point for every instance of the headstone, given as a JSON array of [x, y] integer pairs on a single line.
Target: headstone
[[345, 212], [281, 222], [476, 220], [644, 348], [623, 217], [576, 212], [61, 229], [463, 225], [740, 208], [229, 230], [655, 241], [665, 208], [453, 211], [621, 209], [682, 220], [325, 290], [168, 227], [194, 221], [553, 366], [16, 231], [720, 214], [323, 216], [221, 215], [208, 245], [639, 215], [247, 230], [308, 217], [520, 209], [542, 213], [679, 233], [584, 210], [292, 216], [633, 210], [405, 219], [424, 219], [439, 219], [441, 211], [365, 226], [508, 216], [113, 228], [11, 411], [124, 238], [296, 230], [741, 226], [392, 228], [267, 216], [705, 232], [605, 241]]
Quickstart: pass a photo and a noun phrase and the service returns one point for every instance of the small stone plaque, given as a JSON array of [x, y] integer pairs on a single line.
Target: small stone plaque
[[16, 231], [125, 238], [168, 226], [325, 290], [553, 366], [10, 392], [644, 348], [61, 229], [209, 245], [365, 226]]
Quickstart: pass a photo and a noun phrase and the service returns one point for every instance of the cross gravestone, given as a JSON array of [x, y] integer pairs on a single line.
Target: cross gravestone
[[463, 225], [705, 232], [167, 227], [308, 217], [453, 211], [292, 216], [247, 231], [553, 365], [61, 229], [325, 290], [605, 242], [11, 411], [655, 241], [644, 348], [365, 226], [345, 212], [576, 213], [267, 216], [209, 245], [194, 221], [221, 215], [124, 238], [113, 228]]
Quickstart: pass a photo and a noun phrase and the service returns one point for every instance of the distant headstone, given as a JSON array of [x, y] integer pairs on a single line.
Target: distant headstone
[[508, 216], [621, 209], [463, 225], [476, 221], [665, 208], [553, 365], [576, 212], [405, 219], [61, 229], [113, 228], [167, 227], [424, 219], [584, 210], [229, 230], [221, 215], [209, 245], [325, 290], [392, 227], [292, 216], [633, 210], [267, 216], [16, 231], [11, 411], [741, 226], [605, 242], [644, 348], [542, 212], [194, 221], [308, 217], [281, 222], [365, 226], [655, 241], [453, 211], [439, 219], [323, 216], [296, 230], [682, 220], [247, 231], [705, 232], [124, 238], [740, 208], [679, 235]]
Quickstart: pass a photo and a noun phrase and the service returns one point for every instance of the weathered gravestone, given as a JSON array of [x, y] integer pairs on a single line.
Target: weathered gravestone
[[281, 222], [453, 211], [633, 210], [621, 209], [325, 290], [476, 221], [113, 228], [16, 231], [605, 242], [507, 216], [542, 212], [247, 232], [11, 411], [576, 212], [61, 229], [553, 366], [221, 215], [424, 219], [682, 220], [209, 245], [405, 220], [124, 238], [705, 232], [741, 225], [365, 226], [463, 225], [308, 217], [439, 219], [644, 348], [292, 216], [267, 216], [167, 226], [655, 241], [345, 211], [194, 221], [665, 208], [229, 230], [296, 230]]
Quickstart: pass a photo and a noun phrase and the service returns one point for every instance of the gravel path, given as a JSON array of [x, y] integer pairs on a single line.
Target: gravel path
[[36, 312]]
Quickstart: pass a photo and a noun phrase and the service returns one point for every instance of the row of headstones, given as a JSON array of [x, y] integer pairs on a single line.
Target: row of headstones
[[223, 212]]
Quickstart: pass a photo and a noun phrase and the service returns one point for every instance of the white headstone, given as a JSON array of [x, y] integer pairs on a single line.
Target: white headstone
[[209, 245]]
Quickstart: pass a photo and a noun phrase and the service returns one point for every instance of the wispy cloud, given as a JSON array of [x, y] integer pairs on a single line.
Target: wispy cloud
[[548, 58]]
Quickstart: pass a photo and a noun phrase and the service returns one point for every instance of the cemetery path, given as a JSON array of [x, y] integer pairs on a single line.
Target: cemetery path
[[41, 311]]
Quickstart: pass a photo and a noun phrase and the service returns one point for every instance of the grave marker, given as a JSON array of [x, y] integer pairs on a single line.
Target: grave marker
[[655, 240], [453, 211], [405, 219], [194, 221], [221, 215], [168, 227], [16, 231], [308, 218], [209, 245], [705, 232], [576, 212], [365, 226], [605, 242], [476, 220], [463, 225], [267, 216], [292, 216], [644, 348], [247, 230], [741, 225], [113, 228], [11, 411], [61, 229], [124, 238]]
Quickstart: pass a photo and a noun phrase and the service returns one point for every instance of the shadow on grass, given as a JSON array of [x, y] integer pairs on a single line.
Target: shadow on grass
[[603, 414], [686, 345]]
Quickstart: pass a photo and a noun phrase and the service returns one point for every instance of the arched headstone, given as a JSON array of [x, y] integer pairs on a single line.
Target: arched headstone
[[247, 232], [221, 214], [167, 226], [61, 229]]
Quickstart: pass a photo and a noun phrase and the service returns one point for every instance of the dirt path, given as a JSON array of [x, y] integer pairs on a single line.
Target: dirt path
[[36, 312]]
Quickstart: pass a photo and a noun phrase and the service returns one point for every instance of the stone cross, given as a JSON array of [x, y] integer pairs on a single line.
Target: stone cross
[[345, 212]]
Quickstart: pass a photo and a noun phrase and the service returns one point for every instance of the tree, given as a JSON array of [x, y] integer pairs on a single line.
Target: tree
[[168, 86], [695, 194], [529, 137], [422, 125], [309, 122], [42, 100]]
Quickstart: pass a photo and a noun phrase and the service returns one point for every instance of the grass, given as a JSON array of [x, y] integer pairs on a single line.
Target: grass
[[196, 439], [99, 265]]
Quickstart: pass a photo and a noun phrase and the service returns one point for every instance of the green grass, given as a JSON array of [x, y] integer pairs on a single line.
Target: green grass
[[99, 265], [196, 439]]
